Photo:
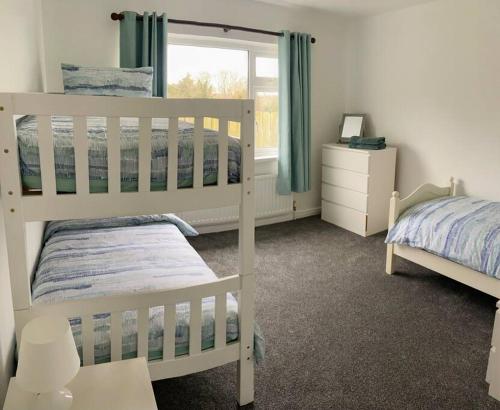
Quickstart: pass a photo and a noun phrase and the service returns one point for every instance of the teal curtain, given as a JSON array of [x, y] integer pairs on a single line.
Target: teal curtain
[[143, 43], [294, 161]]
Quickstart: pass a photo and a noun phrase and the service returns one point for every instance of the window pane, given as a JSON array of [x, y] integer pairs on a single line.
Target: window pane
[[266, 67], [206, 72], [266, 119], [234, 129], [211, 124]]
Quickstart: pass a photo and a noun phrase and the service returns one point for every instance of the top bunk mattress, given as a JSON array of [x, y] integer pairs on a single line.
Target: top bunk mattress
[[64, 156], [465, 230]]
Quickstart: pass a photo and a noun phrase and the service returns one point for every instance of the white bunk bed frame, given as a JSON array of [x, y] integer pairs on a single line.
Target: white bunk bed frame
[[460, 273], [19, 210]]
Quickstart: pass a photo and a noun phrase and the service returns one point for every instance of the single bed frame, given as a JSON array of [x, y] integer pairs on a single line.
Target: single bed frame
[[460, 273], [25, 216]]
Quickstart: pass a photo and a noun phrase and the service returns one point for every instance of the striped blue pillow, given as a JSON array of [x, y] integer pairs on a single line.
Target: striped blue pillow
[[120, 82]]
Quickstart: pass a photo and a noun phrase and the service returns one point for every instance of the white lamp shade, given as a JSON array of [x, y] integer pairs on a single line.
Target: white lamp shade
[[48, 359]]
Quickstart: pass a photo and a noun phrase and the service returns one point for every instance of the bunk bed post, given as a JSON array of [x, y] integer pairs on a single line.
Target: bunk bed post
[[453, 187], [15, 228], [246, 256], [393, 216]]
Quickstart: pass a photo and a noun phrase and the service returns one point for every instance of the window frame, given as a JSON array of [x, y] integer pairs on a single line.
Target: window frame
[[255, 84]]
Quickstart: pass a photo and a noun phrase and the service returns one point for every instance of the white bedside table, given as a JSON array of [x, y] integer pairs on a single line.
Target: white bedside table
[[121, 385]]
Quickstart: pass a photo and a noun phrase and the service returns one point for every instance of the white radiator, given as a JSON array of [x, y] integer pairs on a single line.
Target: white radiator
[[269, 206]]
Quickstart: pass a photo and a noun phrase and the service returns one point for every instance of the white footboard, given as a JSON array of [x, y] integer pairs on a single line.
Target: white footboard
[[169, 365]]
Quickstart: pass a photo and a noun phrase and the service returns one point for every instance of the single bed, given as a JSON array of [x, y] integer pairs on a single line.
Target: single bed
[[456, 236], [64, 154], [464, 230], [453, 235]]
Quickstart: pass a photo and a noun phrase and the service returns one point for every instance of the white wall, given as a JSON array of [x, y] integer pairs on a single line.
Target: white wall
[[429, 77], [19, 71], [19, 42], [83, 33]]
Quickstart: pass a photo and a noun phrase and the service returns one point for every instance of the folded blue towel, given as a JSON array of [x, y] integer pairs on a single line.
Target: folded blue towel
[[367, 146], [367, 141]]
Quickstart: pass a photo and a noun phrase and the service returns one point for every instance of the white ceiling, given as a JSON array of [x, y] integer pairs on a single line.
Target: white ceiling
[[352, 7]]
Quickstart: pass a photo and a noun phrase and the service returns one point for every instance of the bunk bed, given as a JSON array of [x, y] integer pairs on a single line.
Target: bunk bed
[[32, 199]]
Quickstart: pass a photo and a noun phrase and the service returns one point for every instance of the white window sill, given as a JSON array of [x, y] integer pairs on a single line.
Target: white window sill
[[265, 158], [266, 154], [266, 164]]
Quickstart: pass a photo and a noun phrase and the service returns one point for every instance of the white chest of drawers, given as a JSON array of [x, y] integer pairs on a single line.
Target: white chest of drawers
[[356, 187]]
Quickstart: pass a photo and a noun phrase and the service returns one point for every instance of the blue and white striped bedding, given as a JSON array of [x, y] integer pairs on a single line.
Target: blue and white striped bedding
[[117, 256], [462, 229], [64, 155]]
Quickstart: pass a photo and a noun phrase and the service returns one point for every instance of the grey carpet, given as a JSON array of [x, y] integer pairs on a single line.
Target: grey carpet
[[343, 335]]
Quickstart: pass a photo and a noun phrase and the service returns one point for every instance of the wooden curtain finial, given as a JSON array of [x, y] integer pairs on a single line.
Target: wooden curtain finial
[[116, 16]]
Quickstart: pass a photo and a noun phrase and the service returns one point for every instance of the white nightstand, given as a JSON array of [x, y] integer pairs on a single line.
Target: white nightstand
[[122, 385]]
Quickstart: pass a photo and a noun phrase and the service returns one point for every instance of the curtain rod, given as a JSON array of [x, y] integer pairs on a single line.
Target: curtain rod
[[225, 27]]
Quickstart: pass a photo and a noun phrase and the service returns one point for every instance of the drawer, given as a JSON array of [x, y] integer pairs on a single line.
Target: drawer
[[346, 218], [345, 179], [346, 197], [352, 161]]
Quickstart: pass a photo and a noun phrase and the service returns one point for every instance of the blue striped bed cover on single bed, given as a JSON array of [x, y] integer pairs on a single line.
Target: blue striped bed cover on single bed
[[465, 230]]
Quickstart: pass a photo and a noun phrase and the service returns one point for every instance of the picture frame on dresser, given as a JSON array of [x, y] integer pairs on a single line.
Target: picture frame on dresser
[[352, 125]]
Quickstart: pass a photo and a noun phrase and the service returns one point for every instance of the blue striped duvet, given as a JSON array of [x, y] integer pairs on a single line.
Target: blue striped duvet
[[462, 229], [85, 259], [64, 156]]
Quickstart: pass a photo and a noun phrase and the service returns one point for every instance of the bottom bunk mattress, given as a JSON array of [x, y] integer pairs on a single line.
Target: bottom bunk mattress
[[465, 230], [92, 258]]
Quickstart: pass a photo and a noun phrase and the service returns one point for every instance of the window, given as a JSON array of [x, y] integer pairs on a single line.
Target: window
[[202, 67]]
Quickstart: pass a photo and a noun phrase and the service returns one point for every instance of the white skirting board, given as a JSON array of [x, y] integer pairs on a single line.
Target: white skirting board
[[305, 213], [270, 208]]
